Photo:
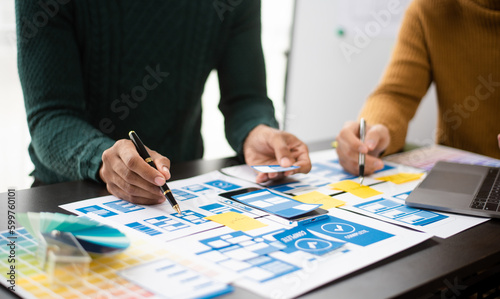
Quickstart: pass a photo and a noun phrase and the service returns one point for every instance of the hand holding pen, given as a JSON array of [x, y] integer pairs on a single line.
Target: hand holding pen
[[128, 177], [143, 152], [362, 157]]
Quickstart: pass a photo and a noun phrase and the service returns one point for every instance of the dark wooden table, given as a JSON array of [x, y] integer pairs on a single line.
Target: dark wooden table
[[466, 263]]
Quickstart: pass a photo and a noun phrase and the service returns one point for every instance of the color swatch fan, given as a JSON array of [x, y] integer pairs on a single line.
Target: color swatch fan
[[94, 237]]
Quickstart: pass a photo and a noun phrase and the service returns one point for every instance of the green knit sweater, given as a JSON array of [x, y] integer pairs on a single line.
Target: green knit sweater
[[93, 70]]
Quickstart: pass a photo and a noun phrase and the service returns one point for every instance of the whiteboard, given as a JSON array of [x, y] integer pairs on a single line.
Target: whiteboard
[[332, 69]]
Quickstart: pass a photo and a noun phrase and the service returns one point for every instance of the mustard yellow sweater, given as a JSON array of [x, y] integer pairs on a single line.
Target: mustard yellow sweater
[[456, 45]]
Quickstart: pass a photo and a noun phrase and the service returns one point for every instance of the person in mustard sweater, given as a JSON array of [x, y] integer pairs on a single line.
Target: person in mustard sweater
[[91, 71], [456, 45]]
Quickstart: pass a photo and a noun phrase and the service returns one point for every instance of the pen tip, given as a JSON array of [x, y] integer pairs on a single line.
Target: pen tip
[[178, 210]]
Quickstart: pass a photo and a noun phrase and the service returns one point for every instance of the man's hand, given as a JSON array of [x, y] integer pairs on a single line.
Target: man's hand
[[268, 146], [129, 177], [349, 146]]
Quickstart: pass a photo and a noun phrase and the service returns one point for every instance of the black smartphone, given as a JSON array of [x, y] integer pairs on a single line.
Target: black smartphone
[[309, 216]]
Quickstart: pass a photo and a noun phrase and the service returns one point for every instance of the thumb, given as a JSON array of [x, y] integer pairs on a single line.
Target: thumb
[[282, 151], [162, 164], [377, 139], [372, 140]]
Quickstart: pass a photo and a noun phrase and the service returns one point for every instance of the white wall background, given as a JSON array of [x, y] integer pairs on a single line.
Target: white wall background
[[333, 67], [276, 33], [15, 164]]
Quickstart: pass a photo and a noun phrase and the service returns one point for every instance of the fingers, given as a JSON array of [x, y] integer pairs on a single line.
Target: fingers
[[351, 164], [281, 150], [273, 176], [129, 177], [350, 146], [133, 194], [290, 150], [266, 146], [301, 154], [136, 168], [372, 164], [262, 177]]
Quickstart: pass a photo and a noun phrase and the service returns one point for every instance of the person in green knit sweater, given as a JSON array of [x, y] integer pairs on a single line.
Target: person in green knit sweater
[[93, 70], [455, 44]]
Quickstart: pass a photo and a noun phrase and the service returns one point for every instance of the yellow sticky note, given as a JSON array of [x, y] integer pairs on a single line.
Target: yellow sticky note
[[319, 198], [236, 221], [355, 188], [401, 178]]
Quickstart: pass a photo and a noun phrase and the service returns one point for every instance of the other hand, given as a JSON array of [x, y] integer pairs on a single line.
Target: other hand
[[129, 177], [268, 146], [349, 146]]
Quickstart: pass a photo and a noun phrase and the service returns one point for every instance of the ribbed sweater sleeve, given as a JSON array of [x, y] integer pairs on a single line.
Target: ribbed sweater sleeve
[[51, 76], [242, 78], [404, 83], [454, 44], [93, 70]]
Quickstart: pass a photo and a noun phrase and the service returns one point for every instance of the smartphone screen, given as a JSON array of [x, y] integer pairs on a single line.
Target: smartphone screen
[[229, 195]]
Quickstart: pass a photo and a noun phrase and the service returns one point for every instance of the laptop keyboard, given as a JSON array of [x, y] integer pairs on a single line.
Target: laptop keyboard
[[488, 197]]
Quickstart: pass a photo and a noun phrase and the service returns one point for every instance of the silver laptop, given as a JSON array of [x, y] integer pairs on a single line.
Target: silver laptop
[[459, 188]]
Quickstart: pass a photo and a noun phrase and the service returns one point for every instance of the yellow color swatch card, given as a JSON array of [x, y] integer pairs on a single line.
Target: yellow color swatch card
[[236, 221], [401, 178], [355, 188], [316, 197]]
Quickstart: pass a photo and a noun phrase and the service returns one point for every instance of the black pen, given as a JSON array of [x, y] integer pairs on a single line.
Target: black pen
[[361, 157], [143, 152]]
